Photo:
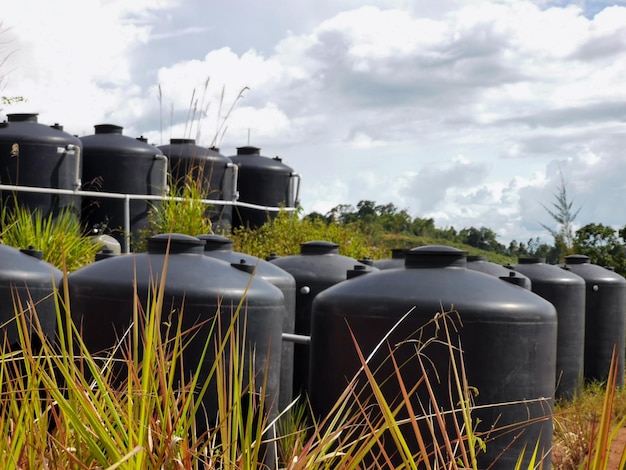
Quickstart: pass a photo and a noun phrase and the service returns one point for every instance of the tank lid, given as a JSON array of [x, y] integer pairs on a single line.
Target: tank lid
[[531, 260], [435, 256], [577, 259], [248, 150], [182, 141], [272, 256], [513, 278], [319, 247], [142, 139], [244, 266], [398, 253], [216, 242], [476, 258], [367, 261], [178, 244], [32, 251], [358, 270], [22, 117], [108, 129], [57, 126]]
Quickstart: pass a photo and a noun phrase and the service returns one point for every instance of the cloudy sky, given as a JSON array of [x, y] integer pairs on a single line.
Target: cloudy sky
[[464, 111]]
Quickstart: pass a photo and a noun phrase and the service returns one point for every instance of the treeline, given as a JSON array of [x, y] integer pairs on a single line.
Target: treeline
[[604, 245]]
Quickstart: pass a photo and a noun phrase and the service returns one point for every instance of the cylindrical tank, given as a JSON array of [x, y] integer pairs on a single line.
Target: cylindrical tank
[[318, 266], [216, 174], [480, 263], [566, 291], [263, 181], [115, 163], [33, 154], [222, 248], [102, 300], [32, 282], [507, 334], [396, 260], [605, 310]]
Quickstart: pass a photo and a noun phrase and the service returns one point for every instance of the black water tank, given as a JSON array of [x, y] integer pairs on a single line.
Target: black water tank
[[115, 163], [102, 293], [318, 266], [263, 181], [480, 263], [566, 291], [605, 310], [222, 248], [33, 282], [216, 173], [396, 260], [32, 154], [508, 336]]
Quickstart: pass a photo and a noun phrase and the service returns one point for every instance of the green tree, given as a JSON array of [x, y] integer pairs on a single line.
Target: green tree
[[564, 214], [604, 246]]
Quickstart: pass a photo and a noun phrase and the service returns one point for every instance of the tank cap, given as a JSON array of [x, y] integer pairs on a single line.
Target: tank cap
[[22, 117], [513, 278], [531, 260], [31, 251], [272, 256], [242, 265], [216, 242], [108, 129], [358, 270], [319, 247], [367, 261], [248, 150], [178, 244], [577, 259], [398, 253], [472, 258], [182, 141], [435, 256]]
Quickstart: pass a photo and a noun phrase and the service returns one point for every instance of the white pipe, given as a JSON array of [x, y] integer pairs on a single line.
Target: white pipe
[[295, 192], [127, 224], [235, 179], [163, 158], [300, 339], [77, 174], [145, 197]]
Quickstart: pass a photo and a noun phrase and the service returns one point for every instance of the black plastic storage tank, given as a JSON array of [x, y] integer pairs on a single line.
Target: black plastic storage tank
[[101, 295], [32, 281], [263, 181], [507, 333], [480, 263], [396, 260], [221, 247], [566, 291], [216, 174], [33, 154], [605, 310], [115, 163], [318, 266]]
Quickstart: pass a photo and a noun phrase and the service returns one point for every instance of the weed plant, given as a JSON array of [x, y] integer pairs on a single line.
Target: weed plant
[[61, 238], [183, 212], [284, 234]]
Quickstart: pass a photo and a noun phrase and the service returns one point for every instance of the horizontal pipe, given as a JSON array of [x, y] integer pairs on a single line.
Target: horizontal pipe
[[145, 197], [300, 339]]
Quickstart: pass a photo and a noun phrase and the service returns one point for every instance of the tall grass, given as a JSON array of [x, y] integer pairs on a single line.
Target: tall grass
[[61, 237], [64, 407]]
